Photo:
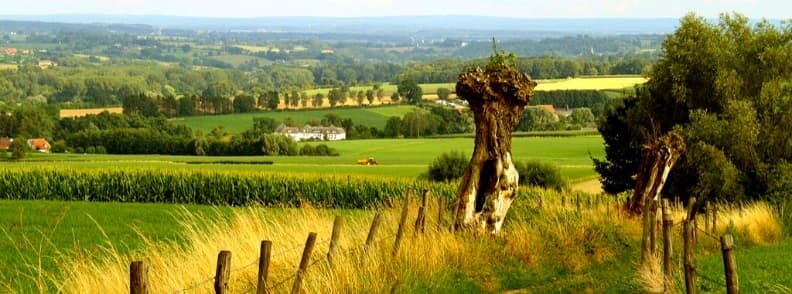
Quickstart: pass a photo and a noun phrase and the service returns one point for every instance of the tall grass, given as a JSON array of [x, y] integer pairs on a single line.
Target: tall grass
[[555, 237]]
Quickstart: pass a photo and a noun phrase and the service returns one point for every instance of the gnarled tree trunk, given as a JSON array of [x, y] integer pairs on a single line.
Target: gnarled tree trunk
[[497, 97], [657, 159]]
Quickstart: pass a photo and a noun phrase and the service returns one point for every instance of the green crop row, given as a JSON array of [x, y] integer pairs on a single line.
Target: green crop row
[[211, 188]]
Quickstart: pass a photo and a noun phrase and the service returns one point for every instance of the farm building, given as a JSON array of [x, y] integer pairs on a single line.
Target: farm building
[[308, 132], [39, 144], [5, 142]]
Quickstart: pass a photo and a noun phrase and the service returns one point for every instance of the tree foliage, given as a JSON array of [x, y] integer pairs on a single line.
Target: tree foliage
[[727, 88]]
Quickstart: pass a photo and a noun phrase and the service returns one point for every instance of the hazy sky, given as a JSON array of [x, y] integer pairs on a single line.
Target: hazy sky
[[350, 8]]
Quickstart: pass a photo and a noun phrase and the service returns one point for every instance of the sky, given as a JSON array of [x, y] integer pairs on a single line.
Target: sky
[[776, 9]]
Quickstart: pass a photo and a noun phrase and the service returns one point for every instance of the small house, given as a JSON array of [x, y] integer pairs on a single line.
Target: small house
[[39, 144], [308, 132]]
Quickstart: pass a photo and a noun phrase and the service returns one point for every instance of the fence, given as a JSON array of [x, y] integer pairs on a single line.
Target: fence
[[139, 274], [690, 234]]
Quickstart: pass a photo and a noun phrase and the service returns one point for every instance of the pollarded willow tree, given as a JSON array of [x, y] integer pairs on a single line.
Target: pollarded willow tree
[[497, 96]]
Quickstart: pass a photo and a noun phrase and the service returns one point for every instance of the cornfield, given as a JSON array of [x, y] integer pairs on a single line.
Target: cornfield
[[211, 188]]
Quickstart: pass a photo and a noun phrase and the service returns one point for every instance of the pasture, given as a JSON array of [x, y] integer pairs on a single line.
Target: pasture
[[402, 158], [237, 123]]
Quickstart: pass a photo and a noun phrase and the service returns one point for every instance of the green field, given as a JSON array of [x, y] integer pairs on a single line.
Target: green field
[[397, 157], [36, 232], [237, 123]]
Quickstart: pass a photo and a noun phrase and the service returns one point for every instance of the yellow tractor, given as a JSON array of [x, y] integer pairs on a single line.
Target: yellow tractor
[[369, 161]]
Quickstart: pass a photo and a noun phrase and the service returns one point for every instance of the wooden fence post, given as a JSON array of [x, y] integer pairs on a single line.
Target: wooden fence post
[[375, 224], [715, 218], [653, 229], [563, 201], [420, 221], [690, 266], [668, 224], [646, 225], [730, 264], [577, 202], [337, 224], [138, 278], [440, 211], [263, 268], [402, 220], [306, 258], [223, 272], [707, 213]]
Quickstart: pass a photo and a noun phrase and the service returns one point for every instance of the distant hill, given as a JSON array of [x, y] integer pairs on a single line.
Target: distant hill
[[450, 25]]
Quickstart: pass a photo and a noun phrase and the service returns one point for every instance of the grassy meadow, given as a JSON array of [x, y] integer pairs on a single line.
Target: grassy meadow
[[405, 158]]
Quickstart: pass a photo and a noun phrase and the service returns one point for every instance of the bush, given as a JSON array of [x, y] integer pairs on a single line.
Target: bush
[[542, 174], [448, 166], [18, 148], [59, 147]]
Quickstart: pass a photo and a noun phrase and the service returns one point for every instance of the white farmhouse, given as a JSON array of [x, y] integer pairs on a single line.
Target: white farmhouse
[[331, 133]]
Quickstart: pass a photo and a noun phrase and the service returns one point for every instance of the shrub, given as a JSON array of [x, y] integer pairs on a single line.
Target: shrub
[[59, 147], [542, 174], [18, 148], [448, 166]]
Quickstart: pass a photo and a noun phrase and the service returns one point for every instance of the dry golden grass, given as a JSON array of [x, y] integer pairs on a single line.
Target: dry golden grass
[[557, 237], [560, 236], [754, 224], [650, 276]]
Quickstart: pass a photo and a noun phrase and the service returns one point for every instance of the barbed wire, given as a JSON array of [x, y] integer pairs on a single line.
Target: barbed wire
[[249, 265], [195, 285], [709, 279], [385, 223], [708, 234]]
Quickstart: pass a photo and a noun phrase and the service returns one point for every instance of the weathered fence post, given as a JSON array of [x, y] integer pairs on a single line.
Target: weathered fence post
[[263, 267], [668, 224], [715, 218], [646, 225], [730, 264], [138, 278], [375, 224], [420, 221], [223, 272], [306, 258], [577, 202], [653, 229], [402, 220], [337, 224], [563, 201], [707, 215], [440, 211], [690, 266]]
